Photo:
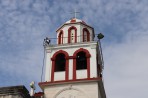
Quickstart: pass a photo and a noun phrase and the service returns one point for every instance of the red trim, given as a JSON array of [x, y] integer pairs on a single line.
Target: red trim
[[88, 67], [53, 64], [52, 71], [74, 68], [71, 57], [62, 81], [60, 37], [69, 33], [88, 34], [38, 94], [60, 51], [67, 70], [88, 62], [73, 20]]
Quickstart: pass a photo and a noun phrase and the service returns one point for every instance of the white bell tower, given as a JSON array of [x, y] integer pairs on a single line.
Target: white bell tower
[[73, 65]]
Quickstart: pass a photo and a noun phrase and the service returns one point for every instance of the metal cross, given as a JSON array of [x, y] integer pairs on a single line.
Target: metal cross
[[75, 13]]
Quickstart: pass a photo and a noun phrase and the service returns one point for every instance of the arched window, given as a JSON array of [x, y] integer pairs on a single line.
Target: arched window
[[81, 61], [72, 35], [86, 35], [60, 62], [60, 38]]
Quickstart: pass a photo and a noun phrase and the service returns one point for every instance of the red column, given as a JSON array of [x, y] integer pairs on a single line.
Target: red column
[[52, 71], [67, 69], [88, 67], [74, 68]]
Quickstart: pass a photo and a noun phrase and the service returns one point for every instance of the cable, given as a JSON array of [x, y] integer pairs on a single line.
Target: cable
[[100, 48]]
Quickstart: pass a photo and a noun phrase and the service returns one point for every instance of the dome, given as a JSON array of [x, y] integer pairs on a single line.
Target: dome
[[74, 20]]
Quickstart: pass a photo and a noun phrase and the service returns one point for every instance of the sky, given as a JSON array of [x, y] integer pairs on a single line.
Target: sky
[[25, 23]]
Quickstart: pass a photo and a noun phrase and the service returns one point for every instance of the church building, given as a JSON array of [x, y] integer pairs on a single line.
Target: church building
[[73, 66]]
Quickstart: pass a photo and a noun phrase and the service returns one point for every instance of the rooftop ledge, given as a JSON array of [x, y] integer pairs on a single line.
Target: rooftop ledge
[[71, 44], [42, 84]]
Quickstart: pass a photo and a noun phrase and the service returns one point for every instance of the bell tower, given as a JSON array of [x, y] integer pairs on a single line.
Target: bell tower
[[73, 65]]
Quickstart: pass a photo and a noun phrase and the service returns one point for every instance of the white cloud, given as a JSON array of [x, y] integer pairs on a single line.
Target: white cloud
[[126, 67], [25, 23]]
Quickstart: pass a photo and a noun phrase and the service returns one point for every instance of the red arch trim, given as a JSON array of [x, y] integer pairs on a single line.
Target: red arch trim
[[88, 34], [60, 37], [60, 51], [88, 62], [69, 33], [53, 64]]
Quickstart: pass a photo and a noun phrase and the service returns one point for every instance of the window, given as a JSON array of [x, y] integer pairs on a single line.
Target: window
[[86, 35], [60, 38], [81, 61], [60, 62], [72, 35]]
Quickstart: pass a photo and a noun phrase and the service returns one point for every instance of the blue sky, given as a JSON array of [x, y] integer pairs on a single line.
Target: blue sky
[[25, 23]]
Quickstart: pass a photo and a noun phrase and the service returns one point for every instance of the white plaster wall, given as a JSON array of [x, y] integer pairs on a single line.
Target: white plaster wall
[[48, 68], [79, 27], [88, 89], [81, 74], [70, 49], [59, 75], [70, 69], [93, 61]]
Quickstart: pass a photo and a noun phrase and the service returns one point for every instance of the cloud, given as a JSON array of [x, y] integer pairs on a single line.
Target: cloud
[[25, 23], [126, 65]]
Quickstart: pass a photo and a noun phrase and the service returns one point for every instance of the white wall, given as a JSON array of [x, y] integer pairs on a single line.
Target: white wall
[[79, 27], [70, 49], [73, 90]]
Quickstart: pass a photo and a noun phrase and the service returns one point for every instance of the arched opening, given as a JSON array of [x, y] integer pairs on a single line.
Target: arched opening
[[72, 35], [86, 35], [60, 62], [60, 38], [81, 61]]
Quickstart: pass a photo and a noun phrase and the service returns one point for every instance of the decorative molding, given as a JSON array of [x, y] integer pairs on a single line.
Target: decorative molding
[[69, 81], [72, 89]]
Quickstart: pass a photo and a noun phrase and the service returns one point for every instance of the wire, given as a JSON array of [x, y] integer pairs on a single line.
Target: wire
[[101, 54], [68, 37], [100, 48]]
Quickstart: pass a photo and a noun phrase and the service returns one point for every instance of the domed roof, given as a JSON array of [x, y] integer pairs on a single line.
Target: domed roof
[[74, 20]]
